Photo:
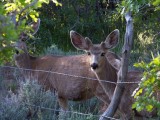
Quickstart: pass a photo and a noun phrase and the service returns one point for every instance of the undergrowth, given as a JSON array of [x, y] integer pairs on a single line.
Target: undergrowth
[[32, 102]]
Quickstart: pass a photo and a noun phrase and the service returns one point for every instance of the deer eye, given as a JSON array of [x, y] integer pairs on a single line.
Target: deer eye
[[88, 53], [103, 54]]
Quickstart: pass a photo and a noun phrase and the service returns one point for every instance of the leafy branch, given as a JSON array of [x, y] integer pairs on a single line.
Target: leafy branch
[[148, 87], [14, 18]]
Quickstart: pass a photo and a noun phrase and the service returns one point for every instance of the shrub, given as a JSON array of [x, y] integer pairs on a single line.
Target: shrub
[[33, 102], [28, 102], [148, 86]]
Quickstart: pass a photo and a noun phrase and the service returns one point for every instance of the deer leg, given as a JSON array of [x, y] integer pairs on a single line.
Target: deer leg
[[101, 95], [62, 103]]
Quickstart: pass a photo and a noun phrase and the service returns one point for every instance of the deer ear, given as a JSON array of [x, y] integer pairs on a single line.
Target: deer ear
[[80, 42], [112, 39]]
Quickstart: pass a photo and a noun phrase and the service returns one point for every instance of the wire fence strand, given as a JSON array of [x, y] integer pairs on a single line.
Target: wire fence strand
[[76, 76]]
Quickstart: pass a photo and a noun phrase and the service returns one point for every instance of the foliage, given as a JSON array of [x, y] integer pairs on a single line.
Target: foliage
[[137, 6], [149, 86], [53, 50], [92, 18], [14, 16], [19, 106], [96, 19], [89, 18], [146, 28]]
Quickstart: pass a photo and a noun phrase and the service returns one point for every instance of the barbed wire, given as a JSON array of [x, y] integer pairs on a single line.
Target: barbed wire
[[67, 111], [76, 76]]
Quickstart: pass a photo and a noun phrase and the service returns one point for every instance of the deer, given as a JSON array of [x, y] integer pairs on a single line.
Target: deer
[[104, 71], [67, 87]]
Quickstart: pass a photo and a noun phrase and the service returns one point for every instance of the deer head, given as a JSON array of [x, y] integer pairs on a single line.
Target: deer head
[[21, 47], [96, 51]]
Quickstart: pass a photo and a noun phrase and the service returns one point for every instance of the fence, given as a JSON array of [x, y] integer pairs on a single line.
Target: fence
[[59, 73]]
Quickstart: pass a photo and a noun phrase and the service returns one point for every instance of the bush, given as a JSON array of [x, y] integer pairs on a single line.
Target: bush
[[28, 102], [33, 102], [149, 86]]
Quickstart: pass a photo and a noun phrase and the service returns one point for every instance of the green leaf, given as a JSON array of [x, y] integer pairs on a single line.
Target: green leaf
[[33, 17], [138, 93], [139, 108], [38, 4], [156, 2], [149, 108], [156, 61], [28, 1], [134, 105], [57, 3], [141, 64]]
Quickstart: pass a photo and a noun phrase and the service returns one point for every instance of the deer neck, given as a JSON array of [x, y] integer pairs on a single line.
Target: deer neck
[[109, 74], [28, 62], [24, 62]]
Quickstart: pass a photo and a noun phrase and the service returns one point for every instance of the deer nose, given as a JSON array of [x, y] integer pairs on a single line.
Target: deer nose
[[94, 66]]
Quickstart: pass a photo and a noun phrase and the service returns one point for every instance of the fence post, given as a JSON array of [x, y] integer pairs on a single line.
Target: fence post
[[122, 74]]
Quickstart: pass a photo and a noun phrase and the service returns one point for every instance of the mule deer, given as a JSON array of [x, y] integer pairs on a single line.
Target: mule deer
[[67, 87], [105, 71]]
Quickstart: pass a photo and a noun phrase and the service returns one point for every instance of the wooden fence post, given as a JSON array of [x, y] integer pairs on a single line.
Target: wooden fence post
[[122, 74]]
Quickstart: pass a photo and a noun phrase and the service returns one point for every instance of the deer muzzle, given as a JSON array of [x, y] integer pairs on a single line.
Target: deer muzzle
[[94, 66]]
